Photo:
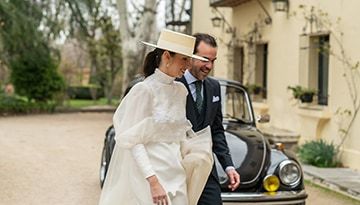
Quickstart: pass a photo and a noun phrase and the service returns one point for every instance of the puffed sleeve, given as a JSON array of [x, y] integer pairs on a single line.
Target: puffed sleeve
[[135, 107]]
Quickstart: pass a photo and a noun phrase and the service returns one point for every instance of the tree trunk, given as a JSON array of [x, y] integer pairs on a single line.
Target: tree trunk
[[132, 52]]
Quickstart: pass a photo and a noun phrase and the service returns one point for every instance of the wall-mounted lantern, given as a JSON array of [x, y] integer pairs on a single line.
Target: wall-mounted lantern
[[281, 5], [220, 21], [216, 21]]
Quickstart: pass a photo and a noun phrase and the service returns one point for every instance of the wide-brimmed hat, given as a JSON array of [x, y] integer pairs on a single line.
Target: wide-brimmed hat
[[176, 42]]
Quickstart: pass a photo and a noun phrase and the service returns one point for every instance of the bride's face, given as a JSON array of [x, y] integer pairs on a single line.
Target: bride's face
[[177, 64]]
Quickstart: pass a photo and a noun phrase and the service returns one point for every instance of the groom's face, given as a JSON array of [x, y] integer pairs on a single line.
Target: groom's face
[[201, 69]]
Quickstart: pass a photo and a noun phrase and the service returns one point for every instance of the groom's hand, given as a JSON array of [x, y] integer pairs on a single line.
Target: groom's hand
[[234, 178]]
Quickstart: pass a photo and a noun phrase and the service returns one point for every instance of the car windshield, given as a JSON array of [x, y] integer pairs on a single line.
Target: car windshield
[[235, 104]]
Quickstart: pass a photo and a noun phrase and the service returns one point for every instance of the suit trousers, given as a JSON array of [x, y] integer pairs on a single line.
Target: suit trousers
[[211, 194]]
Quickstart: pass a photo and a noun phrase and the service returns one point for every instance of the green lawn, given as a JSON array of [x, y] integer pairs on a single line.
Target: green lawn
[[75, 103]]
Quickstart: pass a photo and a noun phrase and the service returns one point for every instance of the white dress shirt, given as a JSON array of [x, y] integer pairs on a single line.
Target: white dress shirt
[[190, 79]]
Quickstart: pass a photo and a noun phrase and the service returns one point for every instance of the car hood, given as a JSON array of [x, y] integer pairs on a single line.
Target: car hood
[[249, 151]]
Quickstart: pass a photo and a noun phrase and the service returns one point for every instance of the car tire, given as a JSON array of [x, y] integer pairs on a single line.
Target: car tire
[[103, 167], [108, 148]]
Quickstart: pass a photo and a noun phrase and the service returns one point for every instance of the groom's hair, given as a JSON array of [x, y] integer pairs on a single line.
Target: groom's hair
[[206, 38]]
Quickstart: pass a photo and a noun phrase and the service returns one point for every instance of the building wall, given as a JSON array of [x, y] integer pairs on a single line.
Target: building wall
[[285, 65]]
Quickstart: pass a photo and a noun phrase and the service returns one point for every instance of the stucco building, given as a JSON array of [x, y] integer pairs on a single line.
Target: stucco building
[[311, 43]]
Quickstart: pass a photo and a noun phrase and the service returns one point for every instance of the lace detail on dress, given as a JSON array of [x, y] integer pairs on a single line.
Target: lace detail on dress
[[164, 114], [161, 116]]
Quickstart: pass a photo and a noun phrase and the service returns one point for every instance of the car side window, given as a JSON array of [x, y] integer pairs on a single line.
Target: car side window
[[235, 105]]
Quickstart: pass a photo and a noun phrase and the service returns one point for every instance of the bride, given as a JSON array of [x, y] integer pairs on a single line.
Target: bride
[[153, 160]]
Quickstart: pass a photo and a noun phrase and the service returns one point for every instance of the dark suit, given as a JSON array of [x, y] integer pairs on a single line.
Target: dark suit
[[211, 115]]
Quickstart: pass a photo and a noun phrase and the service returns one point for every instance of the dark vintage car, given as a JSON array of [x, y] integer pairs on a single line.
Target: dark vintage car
[[269, 173]]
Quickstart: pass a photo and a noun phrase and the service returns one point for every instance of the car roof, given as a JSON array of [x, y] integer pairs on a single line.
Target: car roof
[[228, 82]]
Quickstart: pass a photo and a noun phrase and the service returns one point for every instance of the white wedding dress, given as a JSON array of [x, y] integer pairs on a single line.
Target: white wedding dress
[[150, 125]]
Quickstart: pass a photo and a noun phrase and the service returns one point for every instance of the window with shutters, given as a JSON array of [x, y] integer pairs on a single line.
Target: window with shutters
[[238, 70], [261, 68], [314, 65]]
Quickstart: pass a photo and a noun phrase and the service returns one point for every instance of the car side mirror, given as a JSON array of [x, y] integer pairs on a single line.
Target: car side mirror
[[263, 118]]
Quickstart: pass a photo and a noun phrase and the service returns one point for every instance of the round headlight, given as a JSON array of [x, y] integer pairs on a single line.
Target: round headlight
[[289, 173], [271, 183]]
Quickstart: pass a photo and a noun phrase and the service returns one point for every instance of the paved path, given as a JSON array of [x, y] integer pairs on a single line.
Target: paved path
[[343, 180]]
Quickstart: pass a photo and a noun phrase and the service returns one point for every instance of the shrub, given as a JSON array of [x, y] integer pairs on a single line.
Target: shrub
[[86, 92], [298, 91], [12, 104], [35, 76], [318, 153], [253, 88], [17, 105]]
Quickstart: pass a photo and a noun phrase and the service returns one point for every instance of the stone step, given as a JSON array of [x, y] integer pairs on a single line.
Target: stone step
[[288, 138]]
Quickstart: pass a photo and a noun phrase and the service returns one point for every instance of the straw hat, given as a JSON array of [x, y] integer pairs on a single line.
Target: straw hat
[[176, 42]]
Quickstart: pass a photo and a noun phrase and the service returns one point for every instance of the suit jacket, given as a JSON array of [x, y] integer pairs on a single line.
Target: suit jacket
[[213, 117]]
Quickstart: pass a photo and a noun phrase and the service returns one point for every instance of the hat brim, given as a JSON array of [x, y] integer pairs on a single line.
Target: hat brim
[[191, 56]]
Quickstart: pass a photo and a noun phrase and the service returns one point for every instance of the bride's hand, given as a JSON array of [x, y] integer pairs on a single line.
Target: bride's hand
[[157, 191]]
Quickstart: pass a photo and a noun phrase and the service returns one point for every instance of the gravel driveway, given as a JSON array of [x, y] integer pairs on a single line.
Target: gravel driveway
[[54, 160], [51, 159]]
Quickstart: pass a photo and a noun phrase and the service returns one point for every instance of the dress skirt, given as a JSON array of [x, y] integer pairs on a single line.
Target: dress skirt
[[126, 184]]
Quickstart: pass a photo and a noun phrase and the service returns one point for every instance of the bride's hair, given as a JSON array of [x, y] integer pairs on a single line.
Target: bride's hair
[[152, 61]]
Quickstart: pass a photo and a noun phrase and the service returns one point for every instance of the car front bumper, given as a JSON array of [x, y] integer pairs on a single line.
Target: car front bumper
[[266, 198]]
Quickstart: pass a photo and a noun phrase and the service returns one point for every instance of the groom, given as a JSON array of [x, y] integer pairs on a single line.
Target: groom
[[203, 108]]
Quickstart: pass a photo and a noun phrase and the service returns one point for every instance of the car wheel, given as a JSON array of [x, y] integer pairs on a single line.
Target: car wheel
[[103, 167]]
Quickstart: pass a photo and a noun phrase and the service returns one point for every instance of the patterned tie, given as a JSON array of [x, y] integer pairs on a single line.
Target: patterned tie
[[199, 99]]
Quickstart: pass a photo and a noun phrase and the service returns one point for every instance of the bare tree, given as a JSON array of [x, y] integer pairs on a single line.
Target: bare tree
[[140, 27], [178, 15]]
